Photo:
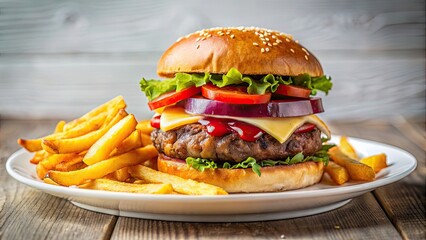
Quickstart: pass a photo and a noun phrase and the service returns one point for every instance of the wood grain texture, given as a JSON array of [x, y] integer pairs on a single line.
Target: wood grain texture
[[404, 201], [343, 223], [133, 26], [29, 214]]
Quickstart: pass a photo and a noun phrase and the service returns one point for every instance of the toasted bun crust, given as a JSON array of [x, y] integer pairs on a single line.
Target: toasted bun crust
[[273, 179], [253, 51]]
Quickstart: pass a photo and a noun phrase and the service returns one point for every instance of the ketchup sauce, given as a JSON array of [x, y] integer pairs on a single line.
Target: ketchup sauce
[[218, 127]]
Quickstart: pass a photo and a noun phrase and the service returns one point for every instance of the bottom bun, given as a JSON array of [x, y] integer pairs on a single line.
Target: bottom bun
[[272, 179]]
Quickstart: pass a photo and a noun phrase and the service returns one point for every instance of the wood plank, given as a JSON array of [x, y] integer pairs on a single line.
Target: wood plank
[[134, 26], [362, 218], [404, 201], [26, 213]]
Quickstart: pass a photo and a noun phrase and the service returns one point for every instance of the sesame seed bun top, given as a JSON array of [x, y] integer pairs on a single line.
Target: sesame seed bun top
[[253, 51]]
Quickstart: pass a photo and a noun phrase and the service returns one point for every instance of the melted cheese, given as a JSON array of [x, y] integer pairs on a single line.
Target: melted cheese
[[279, 128]]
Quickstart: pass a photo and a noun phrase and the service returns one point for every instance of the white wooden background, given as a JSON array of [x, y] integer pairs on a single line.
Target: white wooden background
[[61, 58]]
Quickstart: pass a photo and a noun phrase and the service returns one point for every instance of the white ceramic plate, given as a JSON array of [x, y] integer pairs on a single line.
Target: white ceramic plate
[[316, 199]]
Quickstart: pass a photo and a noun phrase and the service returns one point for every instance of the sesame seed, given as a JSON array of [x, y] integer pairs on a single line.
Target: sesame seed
[[288, 40], [291, 49], [198, 39], [221, 34], [297, 41], [232, 36], [267, 39], [203, 38], [269, 44], [273, 36], [256, 44], [179, 39], [307, 53], [198, 46], [278, 41], [306, 57], [264, 42], [267, 49], [275, 44], [262, 50]]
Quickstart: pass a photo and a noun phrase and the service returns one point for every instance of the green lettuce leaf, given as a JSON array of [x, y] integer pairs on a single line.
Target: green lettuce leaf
[[255, 84], [201, 163]]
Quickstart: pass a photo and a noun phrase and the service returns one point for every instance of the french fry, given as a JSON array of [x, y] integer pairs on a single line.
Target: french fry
[[145, 127], [347, 148], [60, 126], [34, 145], [81, 143], [146, 139], [114, 110], [377, 162], [116, 186], [356, 170], [337, 173], [103, 147], [50, 181], [71, 165], [50, 162], [31, 145], [94, 112], [122, 174], [103, 168], [180, 185], [41, 171], [38, 156], [131, 142]]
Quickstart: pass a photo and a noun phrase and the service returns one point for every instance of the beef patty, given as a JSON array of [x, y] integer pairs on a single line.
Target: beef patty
[[192, 140]]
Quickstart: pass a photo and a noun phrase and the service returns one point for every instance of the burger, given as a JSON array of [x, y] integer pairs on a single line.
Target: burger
[[237, 109]]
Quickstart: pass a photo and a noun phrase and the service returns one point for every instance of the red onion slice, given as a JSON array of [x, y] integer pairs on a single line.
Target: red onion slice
[[275, 108]]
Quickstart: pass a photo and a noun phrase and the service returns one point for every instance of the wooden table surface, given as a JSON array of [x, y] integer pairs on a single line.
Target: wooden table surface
[[391, 212]]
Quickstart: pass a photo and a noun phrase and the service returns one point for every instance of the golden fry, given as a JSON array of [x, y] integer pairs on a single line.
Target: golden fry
[[146, 139], [131, 142], [50, 162], [71, 165], [180, 185], [38, 156], [50, 181], [357, 170], [60, 126], [116, 186], [32, 145], [347, 148], [337, 173], [145, 127], [81, 143], [122, 174], [377, 162], [41, 171], [102, 108], [103, 147], [103, 168]]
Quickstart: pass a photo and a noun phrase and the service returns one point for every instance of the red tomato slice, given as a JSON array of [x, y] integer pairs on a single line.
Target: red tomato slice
[[233, 94], [155, 121], [293, 91], [173, 97], [307, 127]]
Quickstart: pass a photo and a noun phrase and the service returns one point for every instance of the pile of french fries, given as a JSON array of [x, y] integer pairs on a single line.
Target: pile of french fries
[[346, 164], [107, 149]]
